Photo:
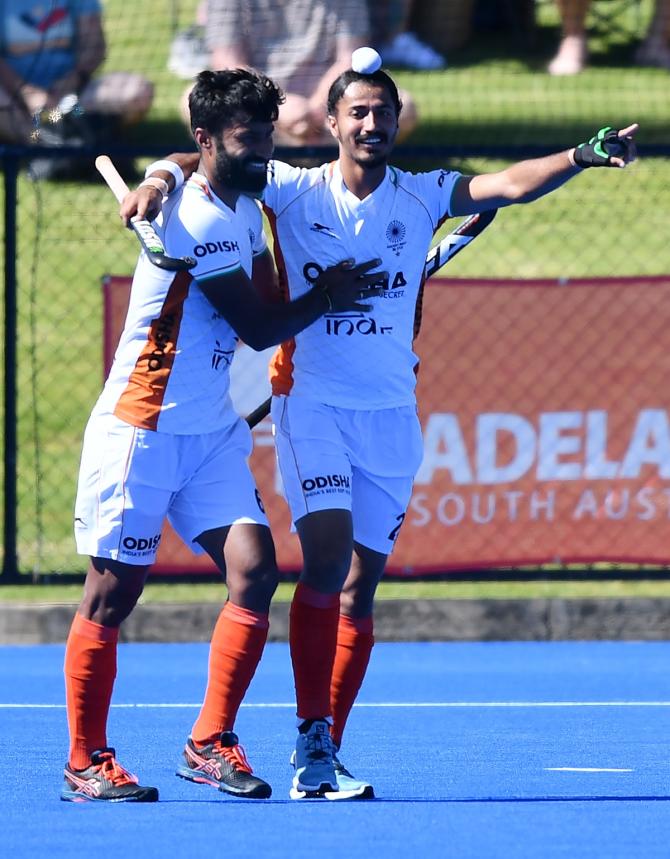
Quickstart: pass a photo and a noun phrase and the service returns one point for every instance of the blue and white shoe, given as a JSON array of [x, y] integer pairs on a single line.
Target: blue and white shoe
[[348, 786], [313, 760]]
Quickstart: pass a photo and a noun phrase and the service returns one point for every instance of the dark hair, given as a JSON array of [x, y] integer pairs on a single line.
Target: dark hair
[[217, 98], [379, 77]]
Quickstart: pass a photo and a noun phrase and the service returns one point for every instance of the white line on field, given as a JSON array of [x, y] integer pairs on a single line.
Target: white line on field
[[587, 770], [277, 705]]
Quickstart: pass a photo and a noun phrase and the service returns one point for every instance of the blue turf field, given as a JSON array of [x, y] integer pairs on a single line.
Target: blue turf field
[[490, 750]]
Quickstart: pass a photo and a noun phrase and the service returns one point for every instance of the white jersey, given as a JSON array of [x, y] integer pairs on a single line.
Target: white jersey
[[361, 359], [171, 368]]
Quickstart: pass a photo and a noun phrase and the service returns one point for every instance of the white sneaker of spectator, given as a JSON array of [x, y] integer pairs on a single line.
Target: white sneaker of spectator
[[408, 51], [188, 53]]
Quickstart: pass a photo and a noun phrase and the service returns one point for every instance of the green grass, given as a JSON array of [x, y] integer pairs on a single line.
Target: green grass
[[41, 594], [69, 235]]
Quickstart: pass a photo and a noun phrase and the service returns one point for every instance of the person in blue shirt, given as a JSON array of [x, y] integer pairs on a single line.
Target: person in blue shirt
[[49, 54]]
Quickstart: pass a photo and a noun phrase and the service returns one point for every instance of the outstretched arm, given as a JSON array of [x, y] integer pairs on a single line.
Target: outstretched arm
[[528, 180]]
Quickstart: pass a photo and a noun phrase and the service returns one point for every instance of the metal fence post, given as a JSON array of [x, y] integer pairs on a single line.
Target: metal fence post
[[10, 163]]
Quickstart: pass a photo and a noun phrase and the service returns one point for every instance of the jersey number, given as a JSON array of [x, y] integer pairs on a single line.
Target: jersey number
[[394, 533]]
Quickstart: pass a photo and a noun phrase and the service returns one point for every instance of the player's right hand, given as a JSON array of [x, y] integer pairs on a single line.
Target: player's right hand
[[144, 203], [349, 286]]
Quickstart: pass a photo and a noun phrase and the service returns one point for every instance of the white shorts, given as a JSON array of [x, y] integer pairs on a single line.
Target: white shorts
[[348, 459], [130, 479]]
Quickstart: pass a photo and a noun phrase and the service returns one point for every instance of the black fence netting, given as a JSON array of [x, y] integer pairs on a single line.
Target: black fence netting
[[491, 103]]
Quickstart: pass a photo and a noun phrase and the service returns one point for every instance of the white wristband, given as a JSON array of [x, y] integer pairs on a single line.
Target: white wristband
[[154, 182], [169, 167]]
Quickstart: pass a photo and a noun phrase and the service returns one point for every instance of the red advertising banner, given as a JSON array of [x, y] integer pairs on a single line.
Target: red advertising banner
[[545, 407]]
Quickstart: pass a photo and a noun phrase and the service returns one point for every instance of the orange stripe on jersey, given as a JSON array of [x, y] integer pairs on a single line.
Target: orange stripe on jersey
[[140, 403], [281, 364], [281, 368]]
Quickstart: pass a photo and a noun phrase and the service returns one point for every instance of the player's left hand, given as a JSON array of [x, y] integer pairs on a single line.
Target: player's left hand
[[607, 148]]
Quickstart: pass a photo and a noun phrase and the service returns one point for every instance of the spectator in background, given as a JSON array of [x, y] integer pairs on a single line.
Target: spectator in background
[[49, 53], [397, 45], [572, 53], [301, 44], [655, 49]]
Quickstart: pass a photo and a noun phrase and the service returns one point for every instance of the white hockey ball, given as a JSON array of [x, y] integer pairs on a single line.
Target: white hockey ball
[[365, 61]]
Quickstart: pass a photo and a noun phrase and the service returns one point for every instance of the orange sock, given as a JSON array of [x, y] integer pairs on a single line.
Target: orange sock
[[90, 671], [355, 640], [312, 640], [235, 651]]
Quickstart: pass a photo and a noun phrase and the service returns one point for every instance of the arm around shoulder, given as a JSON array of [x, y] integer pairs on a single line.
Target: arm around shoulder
[[257, 322], [528, 180]]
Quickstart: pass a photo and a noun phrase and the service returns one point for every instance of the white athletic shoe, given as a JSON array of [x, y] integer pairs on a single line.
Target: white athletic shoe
[[348, 786], [408, 51], [571, 57], [189, 54], [313, 760]]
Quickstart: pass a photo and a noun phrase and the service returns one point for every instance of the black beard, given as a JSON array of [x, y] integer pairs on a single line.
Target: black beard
[[232, 172]]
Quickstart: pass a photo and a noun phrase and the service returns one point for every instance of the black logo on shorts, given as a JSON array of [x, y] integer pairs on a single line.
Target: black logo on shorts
[[141, 545], [327, 483]]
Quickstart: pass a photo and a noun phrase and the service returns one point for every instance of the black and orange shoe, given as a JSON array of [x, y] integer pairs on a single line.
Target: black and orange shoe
[[105, 780], [224, 765]]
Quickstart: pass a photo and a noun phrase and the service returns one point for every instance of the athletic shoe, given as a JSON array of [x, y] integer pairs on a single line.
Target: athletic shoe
[[313, 760], [348, 786], [105, 780], [571, 57], [224, 765], [188, 53], [408, 51]]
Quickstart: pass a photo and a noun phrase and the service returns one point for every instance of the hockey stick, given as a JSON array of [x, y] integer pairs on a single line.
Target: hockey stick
[[148, 237], [454, 243], [436, 258]]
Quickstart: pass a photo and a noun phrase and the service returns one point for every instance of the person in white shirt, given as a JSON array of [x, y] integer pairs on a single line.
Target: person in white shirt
[[163, 440], [347, 435], [301, 44]]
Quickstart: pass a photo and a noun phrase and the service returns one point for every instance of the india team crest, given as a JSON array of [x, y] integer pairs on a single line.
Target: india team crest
[[395, 236]]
